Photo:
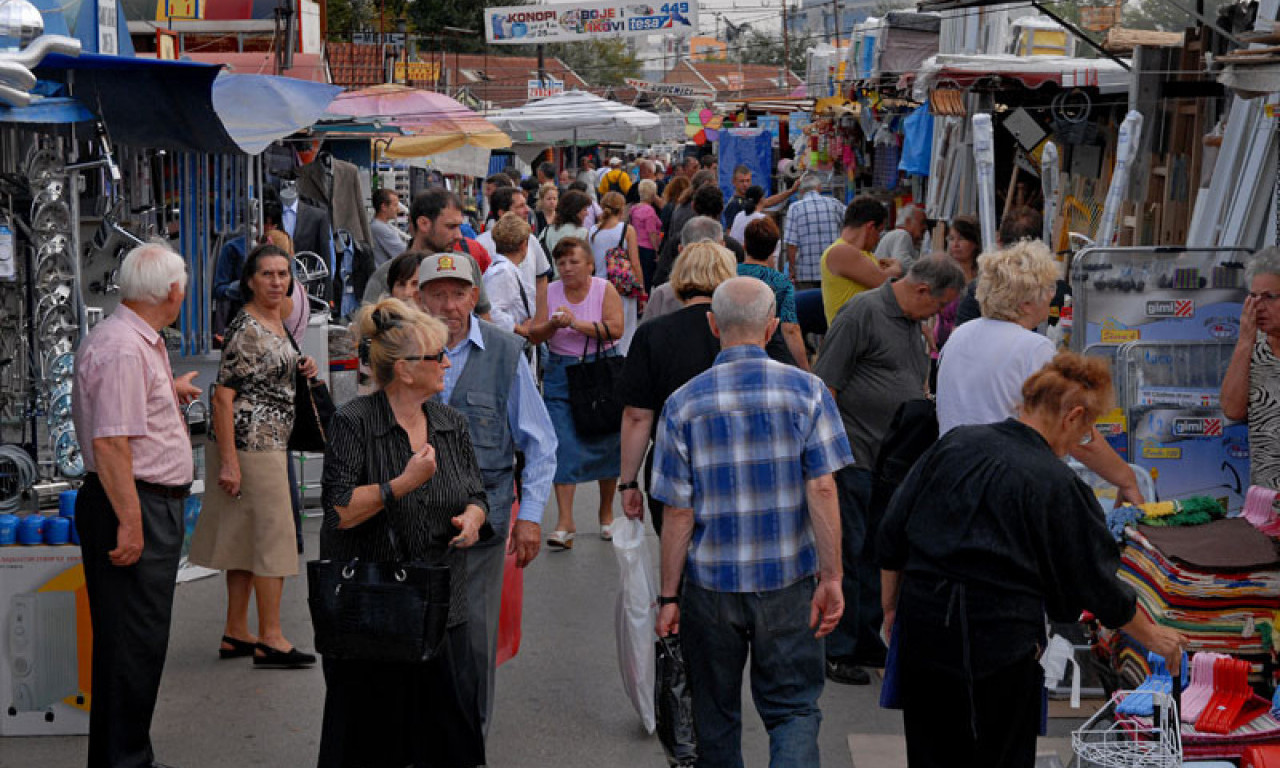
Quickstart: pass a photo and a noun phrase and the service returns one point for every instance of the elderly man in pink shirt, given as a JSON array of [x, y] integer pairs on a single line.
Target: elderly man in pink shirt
[[129, 513]]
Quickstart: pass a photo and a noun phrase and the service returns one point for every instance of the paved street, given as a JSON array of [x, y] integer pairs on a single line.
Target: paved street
[[560, 702]]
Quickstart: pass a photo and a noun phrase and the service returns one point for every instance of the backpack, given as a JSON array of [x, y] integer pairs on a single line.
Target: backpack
[[615, 181]]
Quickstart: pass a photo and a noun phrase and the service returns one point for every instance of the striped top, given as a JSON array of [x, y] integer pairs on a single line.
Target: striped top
[[367, 446]]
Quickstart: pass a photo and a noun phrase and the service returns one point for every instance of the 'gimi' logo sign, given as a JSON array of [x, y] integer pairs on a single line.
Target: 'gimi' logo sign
[[1172, 308], [1197, 427]]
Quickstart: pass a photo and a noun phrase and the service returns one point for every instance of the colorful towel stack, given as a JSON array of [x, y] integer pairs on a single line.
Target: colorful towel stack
[[1218, 583]]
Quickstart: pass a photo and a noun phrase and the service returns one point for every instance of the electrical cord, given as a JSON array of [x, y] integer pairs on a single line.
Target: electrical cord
[[25, 474]]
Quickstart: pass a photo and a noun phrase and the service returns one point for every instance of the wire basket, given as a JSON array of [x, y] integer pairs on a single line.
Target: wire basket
[[1107, 741]]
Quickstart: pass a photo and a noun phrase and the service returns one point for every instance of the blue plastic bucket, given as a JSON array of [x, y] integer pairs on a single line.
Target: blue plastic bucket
[[8, 530], [31, 530]]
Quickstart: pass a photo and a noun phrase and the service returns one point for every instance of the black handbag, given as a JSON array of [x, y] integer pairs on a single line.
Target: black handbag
[[593, 396], [367, 611], [312, 409]]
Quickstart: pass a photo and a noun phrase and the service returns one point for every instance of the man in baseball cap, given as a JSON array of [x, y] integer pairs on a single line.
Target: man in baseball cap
[[490, 381]]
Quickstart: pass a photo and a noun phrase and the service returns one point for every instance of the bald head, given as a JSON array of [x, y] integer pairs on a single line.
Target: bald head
[[744, 311]]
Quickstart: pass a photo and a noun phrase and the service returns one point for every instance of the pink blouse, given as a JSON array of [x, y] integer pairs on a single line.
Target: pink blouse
[[567, 341], [648, 226]]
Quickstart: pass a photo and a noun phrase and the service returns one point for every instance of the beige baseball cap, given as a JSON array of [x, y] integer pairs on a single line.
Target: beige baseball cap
[[453, 266]]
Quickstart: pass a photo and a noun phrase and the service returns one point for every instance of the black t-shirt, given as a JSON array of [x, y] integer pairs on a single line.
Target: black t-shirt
[[669, 351]]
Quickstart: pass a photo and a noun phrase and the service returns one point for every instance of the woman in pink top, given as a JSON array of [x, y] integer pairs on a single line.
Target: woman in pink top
[[588, 314], [646, 218]]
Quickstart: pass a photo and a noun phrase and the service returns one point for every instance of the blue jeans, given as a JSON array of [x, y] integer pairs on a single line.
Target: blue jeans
[[857, 634], [718, 629]]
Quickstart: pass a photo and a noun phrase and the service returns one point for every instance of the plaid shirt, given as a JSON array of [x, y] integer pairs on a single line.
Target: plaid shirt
[[736, 444], [813, 224]]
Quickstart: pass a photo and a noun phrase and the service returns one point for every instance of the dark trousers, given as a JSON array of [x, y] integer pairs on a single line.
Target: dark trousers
[[719, 631], [996, 728], [130, 608], [485, 564], [857, 636], [648, 263], [295, 498]]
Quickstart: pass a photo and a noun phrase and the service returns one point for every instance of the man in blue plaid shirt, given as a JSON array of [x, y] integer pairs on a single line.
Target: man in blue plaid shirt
[[744, 463], [813, 224]]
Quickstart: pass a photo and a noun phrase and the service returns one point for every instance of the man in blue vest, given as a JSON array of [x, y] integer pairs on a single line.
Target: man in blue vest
[[491, 383]]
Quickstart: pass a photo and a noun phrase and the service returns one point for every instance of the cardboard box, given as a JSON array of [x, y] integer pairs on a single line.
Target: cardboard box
[[46, 642]]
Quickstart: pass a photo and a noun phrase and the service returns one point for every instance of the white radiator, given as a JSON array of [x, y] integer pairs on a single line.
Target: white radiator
[[42, 649]]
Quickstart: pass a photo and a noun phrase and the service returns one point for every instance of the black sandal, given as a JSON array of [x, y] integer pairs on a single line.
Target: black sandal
[[274, 659], [238, 649]]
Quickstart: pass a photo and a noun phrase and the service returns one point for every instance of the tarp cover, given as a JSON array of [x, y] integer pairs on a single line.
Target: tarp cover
[[554, 119], [188, 107]]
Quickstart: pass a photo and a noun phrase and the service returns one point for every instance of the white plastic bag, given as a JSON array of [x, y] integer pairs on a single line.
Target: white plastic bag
[[635, 617]]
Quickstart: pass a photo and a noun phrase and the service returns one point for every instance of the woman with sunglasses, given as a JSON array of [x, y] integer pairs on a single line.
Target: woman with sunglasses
[[399, 461]]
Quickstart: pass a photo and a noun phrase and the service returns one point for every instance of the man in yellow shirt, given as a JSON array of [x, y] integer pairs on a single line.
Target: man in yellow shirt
[[616, 179], [849, 265]]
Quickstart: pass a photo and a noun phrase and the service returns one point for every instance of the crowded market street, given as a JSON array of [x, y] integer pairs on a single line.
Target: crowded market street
[[559, 702]]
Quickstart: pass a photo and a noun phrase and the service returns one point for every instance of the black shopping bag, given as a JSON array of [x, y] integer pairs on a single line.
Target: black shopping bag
[[674, 704]]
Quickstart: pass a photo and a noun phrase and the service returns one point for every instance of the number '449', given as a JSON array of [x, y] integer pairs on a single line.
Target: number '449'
[[675, 8]]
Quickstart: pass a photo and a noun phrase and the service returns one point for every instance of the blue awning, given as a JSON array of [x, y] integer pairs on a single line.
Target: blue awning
[[188, 107]]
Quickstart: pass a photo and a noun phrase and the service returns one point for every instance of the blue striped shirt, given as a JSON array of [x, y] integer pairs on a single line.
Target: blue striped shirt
[[736, 444]]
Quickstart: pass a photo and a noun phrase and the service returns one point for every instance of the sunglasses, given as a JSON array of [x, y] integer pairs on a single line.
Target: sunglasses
[[437, 357]]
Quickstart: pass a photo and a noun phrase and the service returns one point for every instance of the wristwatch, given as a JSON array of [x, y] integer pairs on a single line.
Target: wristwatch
[[664, 600], [634, 485]]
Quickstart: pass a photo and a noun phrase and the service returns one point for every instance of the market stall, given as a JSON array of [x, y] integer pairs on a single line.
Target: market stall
[[99, 153]]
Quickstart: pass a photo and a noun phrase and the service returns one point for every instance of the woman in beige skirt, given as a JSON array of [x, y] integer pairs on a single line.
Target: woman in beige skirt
[[246, 526]]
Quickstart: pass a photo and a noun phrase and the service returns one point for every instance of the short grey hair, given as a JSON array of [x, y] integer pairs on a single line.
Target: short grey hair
[[809, 182], [742, 306], [1264, 262], [149, 271], [701, 228], [939, 273], [906, 212]]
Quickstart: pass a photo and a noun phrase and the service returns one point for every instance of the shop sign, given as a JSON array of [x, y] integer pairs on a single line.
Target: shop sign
[[108, 29], [182, 9], [369, 37], [1197, 427], [569, 22], [418, 71], [1160, 452], [667, 89], [734, 79], [1171, 308], [1099, 18], [541, 89]]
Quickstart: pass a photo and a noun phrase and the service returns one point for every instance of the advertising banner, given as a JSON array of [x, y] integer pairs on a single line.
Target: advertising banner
[[667, 89], [543, 89], [570, 22]]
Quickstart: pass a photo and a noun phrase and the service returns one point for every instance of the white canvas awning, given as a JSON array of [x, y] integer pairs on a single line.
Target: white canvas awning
[[575, 115]]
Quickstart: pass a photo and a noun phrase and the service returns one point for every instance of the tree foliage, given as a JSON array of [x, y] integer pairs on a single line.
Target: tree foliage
[[756, 47], [603, 61]]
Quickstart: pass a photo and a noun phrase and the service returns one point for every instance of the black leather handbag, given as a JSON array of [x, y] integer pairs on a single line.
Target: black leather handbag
[[593, 384], [312, 409], [369, 611]]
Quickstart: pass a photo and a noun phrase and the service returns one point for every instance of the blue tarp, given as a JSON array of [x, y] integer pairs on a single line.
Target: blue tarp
[[751, 147], [185, 106], [917, 142]]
